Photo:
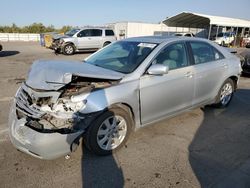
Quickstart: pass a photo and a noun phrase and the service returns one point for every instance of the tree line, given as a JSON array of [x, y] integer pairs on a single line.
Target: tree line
[[33, 28]]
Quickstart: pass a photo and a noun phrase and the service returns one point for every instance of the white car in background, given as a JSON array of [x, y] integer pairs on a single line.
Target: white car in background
[[189, 34], [225, 38]]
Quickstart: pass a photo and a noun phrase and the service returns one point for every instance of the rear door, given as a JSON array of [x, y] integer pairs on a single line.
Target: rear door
[[164, 95], [96, 38], [210, 69]]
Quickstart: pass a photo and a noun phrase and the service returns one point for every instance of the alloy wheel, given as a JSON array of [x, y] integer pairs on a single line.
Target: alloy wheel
[[226, 94], [112, 132]]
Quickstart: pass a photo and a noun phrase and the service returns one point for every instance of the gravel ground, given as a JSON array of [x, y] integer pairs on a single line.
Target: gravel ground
[[201, 148]]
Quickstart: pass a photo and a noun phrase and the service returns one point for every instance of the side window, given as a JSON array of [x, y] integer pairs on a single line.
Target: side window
[[84, 33], [217, 54], [203, 52], [174, 56], [96, 32], [109, 33]]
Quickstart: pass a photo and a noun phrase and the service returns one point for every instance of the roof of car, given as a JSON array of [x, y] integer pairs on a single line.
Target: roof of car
[[93, 27], [161, 39], [150, 39]]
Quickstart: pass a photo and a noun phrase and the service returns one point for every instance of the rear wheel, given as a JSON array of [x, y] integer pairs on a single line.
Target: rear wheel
[[108, 132], [225, 94], [68, 49]]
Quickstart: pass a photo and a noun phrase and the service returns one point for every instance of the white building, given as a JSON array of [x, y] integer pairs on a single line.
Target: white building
[[135, 29]]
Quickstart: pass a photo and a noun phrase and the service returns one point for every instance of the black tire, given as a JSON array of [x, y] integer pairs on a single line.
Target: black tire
[[106, 44], [1, 47], [68, 49], [219, 99], [91, 137], [223, 43]]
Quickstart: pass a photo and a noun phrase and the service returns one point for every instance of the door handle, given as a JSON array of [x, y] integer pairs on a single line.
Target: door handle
[[189, 75]]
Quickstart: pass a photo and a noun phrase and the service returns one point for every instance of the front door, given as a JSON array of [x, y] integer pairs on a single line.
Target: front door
[[89, 38], [83, 41], [164, 95]]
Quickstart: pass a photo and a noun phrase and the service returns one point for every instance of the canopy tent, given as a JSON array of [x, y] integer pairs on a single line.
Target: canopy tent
[[208, 23], [188, 19]]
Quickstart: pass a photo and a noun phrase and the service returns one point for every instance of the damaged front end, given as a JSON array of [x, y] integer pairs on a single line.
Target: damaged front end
[[49, 123]]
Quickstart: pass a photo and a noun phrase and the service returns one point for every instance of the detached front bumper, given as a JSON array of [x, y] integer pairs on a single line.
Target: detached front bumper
[[37, 144]]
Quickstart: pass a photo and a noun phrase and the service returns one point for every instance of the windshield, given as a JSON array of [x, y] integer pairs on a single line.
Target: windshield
[[122, 56], [72, 32]]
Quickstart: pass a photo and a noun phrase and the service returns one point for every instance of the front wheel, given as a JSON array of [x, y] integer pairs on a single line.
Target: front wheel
[[225, 94], [108, 132], [68, 49]]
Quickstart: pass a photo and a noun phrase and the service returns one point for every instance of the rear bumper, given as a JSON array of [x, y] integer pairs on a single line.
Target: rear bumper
[[37, 144]]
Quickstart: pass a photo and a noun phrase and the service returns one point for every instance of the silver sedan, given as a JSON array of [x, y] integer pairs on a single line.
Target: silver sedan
[[123, 87]]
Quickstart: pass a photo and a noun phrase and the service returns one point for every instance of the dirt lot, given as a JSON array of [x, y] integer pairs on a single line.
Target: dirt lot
[[202, 148]]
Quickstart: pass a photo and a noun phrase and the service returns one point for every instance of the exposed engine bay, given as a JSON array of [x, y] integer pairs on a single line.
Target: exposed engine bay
[[58, 111]]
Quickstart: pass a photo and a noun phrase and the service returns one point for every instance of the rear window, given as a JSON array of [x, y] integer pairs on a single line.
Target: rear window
[[204, 52], [109, 33], [188, 35]]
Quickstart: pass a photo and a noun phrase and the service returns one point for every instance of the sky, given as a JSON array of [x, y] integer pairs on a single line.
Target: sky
[[100, 12]]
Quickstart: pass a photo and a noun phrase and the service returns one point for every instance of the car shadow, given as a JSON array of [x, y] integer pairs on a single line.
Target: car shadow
[[219, 153], [8, 53], [100, 171]]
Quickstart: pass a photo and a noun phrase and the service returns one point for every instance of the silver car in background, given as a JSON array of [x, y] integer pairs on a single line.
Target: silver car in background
[[123, 87], [85, 39]]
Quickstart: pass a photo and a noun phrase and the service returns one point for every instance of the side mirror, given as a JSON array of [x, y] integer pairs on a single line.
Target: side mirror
[[158, 69]]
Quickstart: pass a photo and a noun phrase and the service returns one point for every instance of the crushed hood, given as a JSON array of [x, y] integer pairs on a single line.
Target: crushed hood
[[54, 74]]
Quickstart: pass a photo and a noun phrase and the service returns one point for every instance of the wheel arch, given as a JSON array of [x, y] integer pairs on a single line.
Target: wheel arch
[[235, 80], [69, 42], [106, 42], [127, 108]]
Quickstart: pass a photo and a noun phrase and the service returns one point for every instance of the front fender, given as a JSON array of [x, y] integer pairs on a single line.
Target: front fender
[[123, 93]]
